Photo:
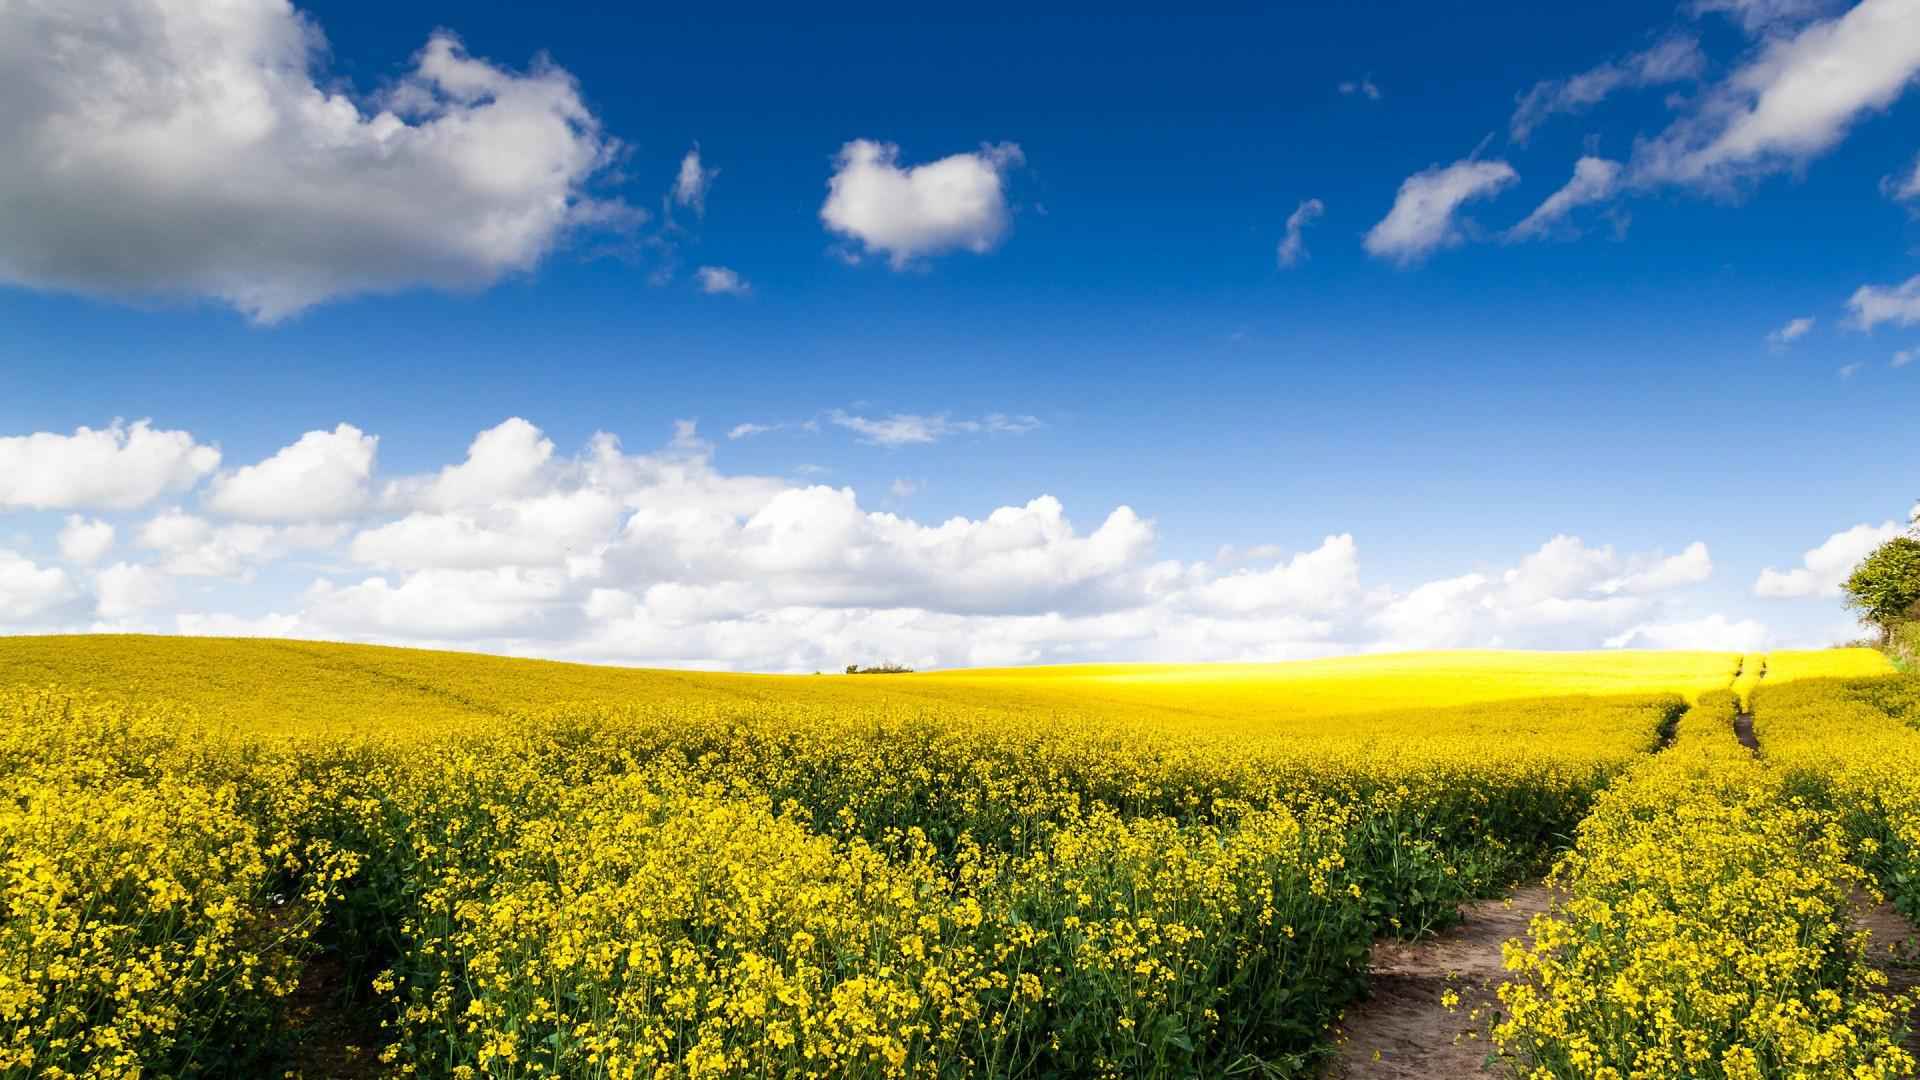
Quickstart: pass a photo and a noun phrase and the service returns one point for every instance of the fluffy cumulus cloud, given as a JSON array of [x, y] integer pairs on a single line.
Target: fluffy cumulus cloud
[[1872, 305], [1563, 595], [323, 474], [1594, 180], [190, 546], [662, 557], [1824, 568], [502, 461], [1423, 215], [1293, 246], [1671, 60], [118, 467], [1715, 633], [125, 590], [28, 591], [85, 540], [958, 203], [175, 148], [1794, 100]]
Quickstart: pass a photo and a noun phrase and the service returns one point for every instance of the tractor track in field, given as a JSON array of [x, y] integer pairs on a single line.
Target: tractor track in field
[[1402, 1031], [1894, 949]]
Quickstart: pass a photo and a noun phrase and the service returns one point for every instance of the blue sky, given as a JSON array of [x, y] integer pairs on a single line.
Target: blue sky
[[233, 245]]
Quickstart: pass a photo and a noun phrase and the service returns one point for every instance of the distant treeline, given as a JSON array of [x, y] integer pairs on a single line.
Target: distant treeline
[[879, 669]]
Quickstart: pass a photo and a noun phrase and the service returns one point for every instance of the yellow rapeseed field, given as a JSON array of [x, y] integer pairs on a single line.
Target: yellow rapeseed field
[[286, 684], [512, 868], [1704, 930]]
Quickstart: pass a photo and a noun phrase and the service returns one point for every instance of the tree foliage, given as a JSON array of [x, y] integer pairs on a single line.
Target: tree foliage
[[1885, 587]]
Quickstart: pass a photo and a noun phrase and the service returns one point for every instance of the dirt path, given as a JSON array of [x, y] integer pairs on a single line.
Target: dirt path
[[1743, 730], [1895, 950], [1401, 1031], [328, 1040]]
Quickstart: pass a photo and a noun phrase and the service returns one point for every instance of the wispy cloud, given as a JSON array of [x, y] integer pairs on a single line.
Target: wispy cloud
[[720, 281], [1793, 331], [1594, 179], [908, 429], [1293, 248], [1904, 188], [1364, 87], [691, 184], [1795, 99], [1875, 304], [1673, 60], [1422, 218]]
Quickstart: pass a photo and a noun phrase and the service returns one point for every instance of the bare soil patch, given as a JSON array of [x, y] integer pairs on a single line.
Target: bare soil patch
[[1895, 950], [1402, 1031], [328, 1038], [1743, 730]]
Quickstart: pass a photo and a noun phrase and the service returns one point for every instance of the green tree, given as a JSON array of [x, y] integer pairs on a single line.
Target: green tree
[[1885, 587]]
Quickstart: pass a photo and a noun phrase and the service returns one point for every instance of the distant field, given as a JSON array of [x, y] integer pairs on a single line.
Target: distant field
[[274, 682], [255, 857]]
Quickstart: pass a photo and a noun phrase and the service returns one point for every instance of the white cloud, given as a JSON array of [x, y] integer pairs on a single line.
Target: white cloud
[[718, 280], [220, 624], [1875, 304], [663, 558], [1364, 87], [1594, 179], [118, 467], [1316, 582], [902, 488], [749, 430], [508, 459], [1793, 331], [192, 546], [1422, 218], [1293, 247], [175, 149], [1672, 60], [955, 203], [1823, 569], [1904, 357], [322, 475], [1714, 633], [1758, 16], [1903, 188], [1793, 101], [85, 541], [543, 529], [691, 184], [28, 591], [1848, 371], [906, 429], [1564, 595], [125, 589], [1658, 574], [443, 604]]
